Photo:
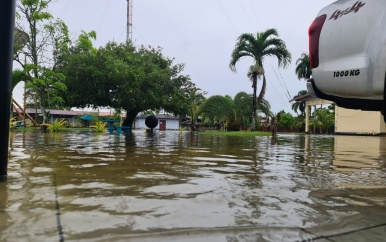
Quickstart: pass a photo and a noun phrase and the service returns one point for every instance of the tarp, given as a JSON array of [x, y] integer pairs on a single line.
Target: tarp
[[87, 118]]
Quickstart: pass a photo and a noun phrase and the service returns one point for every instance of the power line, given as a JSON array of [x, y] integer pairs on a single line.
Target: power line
[[286, 93], [103, 15], [121, 34], [246, 14], [171, 22], [254, 12], [227, 17], [280, 96], [285, 85], [65, 7]]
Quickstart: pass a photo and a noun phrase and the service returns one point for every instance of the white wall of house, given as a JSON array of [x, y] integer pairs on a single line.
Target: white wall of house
[[171, 124], [352, 121], [349, 121]]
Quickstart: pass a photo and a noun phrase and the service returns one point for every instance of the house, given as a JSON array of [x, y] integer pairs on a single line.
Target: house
[[351, 121], [165, 122], [53, 114], [348, 121]]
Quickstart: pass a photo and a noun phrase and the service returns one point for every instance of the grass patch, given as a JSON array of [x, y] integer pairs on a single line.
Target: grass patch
[[237, 133]]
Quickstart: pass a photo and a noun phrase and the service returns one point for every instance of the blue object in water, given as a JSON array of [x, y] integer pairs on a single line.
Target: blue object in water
[[87, 118], [126, 129]]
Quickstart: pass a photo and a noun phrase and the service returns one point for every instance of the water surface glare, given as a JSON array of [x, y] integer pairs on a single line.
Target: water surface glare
[[172, 186]]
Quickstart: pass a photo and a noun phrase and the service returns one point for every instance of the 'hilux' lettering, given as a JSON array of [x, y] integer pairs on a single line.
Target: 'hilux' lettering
[[347, 73], [339, 13]]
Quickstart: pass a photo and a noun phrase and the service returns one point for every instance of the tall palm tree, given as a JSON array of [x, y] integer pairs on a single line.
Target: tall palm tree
[[303, 69], [258, 47], [299, 105]]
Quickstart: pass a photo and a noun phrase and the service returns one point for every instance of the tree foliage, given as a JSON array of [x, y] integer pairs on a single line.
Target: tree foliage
[[303, 68], [218, 110], [43, 39], [124, 76], [230, 114], [286, 121], [322, 119], [299, 105]]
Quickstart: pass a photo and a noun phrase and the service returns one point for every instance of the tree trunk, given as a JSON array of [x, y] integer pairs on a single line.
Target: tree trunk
[[130, 116], [192, 126], [43, 109], [254, 86], [263, 89]]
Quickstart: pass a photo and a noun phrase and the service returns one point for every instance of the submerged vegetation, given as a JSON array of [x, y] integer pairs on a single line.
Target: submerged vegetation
[[56, 126], [100, 126]]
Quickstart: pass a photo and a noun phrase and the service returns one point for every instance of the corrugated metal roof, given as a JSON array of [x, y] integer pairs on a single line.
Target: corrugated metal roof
[[58, 112], [158, 116]]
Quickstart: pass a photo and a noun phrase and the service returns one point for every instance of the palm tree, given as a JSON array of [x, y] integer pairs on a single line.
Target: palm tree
[[217, 109], [324, 119], [243, 108], [303, 69], [299, 122], [299, 105], [229, 113], [264, 107], [258, 47]]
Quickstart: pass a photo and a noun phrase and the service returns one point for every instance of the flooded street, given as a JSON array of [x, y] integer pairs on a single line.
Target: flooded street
[[171, 186]]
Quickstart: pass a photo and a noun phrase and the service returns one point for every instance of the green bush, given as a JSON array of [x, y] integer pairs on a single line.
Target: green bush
[[56, 126]]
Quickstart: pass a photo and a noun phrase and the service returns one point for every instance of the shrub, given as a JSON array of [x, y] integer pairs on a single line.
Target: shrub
[[100, 126], [12, 123], [56, 126]]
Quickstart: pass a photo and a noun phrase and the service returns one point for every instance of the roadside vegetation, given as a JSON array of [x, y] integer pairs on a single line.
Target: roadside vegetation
[[123, 76]]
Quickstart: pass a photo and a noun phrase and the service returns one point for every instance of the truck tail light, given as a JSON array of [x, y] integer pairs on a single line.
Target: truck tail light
[[314, 35]]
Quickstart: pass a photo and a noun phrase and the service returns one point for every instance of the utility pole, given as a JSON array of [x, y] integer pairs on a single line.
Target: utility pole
[[129, 26], [7, 20]]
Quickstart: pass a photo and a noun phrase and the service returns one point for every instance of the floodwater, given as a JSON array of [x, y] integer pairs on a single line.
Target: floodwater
[[171, 186]]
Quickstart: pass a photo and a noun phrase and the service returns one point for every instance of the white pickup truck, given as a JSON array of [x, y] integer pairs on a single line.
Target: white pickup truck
[[347, 50]]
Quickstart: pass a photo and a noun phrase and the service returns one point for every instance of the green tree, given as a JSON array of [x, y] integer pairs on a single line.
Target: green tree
[[323, 120], [258, 47], [286, 121], [264, 107], [196, 98], [303, 68], [20, 40], [299, 105], [243, 108], [218, 110], [228, 113], [299, 123], [45, 39], [135, 79]]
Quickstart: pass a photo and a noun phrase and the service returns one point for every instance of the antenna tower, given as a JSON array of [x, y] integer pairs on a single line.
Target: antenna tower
[[129, 27]]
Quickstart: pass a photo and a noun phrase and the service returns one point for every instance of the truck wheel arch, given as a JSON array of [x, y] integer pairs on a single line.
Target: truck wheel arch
[[383, 111]]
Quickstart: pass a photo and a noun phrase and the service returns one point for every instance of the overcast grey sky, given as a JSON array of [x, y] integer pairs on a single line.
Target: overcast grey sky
[[202, 34]]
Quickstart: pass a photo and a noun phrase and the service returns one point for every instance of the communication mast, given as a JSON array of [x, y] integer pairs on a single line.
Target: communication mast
[[129, 27]]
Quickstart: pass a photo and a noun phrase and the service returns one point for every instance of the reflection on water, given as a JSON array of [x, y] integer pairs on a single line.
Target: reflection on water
[[190, 187]]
